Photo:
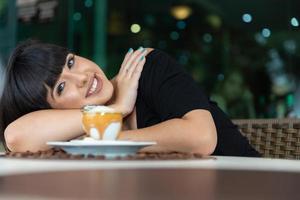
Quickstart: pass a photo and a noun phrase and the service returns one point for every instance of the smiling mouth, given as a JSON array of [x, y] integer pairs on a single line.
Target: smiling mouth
[[95, 86]]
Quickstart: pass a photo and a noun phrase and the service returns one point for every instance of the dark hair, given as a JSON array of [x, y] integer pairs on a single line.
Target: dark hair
[[31, 67]]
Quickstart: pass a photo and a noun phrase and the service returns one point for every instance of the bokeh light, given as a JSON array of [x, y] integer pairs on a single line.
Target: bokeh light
[[174, 35], [266, 32], [135, 28], [181, 12], [294, 22], [207, 38], [181, 24], [221, 77], [77, 16], [88, 3], [247, 18]]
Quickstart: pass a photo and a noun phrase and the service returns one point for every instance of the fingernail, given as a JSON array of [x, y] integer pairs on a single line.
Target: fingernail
[[142, 58], [140, 48], [130, 50]]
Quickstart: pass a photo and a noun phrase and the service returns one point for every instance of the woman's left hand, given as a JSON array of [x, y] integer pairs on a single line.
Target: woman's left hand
[[127, 80]]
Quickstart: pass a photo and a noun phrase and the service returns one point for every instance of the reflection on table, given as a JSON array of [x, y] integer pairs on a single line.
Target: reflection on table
[[220, 178], [152, 184]]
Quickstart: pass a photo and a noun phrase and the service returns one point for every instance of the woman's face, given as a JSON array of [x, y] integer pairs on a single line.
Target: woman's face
[[81, 83]]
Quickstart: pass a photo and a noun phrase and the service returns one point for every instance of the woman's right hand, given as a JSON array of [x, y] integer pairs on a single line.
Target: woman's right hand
[[127, 80]]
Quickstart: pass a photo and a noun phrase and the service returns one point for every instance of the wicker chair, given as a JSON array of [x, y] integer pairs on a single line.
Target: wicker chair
[[274, 138]]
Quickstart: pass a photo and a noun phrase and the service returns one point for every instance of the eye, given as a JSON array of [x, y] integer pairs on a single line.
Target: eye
[[60, 88], [70, 61]]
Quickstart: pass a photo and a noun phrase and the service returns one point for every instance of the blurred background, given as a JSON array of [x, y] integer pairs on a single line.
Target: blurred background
[[244, 54]]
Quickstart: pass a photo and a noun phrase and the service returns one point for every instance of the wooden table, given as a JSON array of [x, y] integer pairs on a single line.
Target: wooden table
[[208, 179]]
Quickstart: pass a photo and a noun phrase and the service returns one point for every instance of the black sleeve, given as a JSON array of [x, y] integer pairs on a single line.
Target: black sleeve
[[170, 91]]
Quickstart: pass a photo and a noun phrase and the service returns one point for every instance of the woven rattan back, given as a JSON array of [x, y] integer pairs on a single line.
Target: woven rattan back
[[274, 138]]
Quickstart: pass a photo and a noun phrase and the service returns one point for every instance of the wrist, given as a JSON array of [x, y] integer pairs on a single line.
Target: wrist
[[120, 109]]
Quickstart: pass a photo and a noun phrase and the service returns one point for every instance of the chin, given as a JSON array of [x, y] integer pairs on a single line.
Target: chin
[[104, 97], [105, 100]]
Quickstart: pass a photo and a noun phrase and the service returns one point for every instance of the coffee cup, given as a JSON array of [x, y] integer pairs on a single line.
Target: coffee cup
[[101, 122]]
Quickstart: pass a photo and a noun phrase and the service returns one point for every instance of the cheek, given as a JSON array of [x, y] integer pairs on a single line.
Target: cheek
[[70, 100], [72, 97]]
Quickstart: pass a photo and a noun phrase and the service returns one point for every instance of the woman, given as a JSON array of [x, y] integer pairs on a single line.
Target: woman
[[46, 86]]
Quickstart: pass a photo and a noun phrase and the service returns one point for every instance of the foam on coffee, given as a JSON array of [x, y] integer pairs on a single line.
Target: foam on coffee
[[98, 109]]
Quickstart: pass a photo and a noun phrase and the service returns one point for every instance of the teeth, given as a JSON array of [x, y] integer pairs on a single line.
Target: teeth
[[94, 86]]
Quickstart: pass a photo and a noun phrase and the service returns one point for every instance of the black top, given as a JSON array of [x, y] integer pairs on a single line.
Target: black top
[[166, 91]]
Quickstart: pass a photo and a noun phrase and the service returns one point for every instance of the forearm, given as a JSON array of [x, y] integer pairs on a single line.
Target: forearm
[[177, 135], [33, 130]]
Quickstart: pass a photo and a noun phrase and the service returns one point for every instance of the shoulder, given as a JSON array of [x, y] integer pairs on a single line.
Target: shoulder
[[161, 62], [156, 57], [159, 68], [151, 53], [156, 69], [149, 50]]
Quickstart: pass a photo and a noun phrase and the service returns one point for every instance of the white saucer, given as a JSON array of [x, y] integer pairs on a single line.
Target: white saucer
[[108, 148]]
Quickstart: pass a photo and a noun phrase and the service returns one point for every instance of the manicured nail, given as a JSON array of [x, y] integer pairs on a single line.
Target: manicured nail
[[142, 58], [130, 50], [140, 48]]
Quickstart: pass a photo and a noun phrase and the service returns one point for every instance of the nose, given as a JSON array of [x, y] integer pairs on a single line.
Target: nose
[[79, 78]]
